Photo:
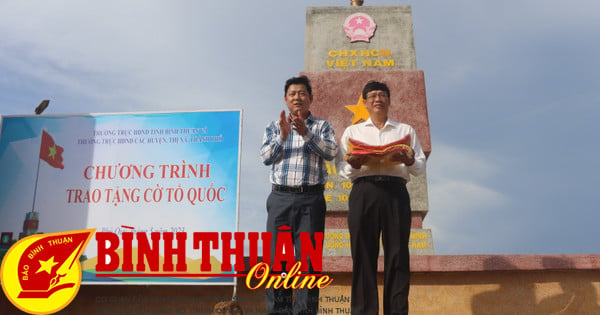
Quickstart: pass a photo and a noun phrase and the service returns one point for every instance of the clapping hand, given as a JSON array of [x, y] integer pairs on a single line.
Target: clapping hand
[[285, 125], [298, 123]]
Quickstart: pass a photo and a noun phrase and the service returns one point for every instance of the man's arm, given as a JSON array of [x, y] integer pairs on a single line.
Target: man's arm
[[322, 142], [418, 167], [272, 144], [344, 168], [273, 139]]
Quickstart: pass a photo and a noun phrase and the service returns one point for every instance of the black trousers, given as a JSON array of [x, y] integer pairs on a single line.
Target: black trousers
[[303, 212], [379, 208]]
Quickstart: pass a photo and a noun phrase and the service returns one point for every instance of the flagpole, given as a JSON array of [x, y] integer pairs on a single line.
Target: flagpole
[[37, 175], [38, 111]]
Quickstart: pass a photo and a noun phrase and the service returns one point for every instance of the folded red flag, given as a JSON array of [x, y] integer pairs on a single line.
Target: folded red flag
[[379, 153]]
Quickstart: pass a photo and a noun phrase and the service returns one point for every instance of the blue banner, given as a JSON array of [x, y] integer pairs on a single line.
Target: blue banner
[[136, 172]]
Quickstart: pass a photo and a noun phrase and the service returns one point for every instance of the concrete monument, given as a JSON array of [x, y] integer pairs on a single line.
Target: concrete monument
[[346, 47]]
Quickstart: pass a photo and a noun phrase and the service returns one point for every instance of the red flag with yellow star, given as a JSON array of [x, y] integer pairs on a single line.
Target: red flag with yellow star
[[50, 152]]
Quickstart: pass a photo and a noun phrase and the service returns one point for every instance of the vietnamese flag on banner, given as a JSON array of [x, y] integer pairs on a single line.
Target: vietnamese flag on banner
[[50, 152]]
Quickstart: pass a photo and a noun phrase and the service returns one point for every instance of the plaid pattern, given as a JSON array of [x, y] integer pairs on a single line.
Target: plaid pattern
[[300, 160]]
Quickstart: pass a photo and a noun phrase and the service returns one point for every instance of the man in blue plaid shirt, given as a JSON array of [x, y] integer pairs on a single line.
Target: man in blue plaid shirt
[[296, 147]]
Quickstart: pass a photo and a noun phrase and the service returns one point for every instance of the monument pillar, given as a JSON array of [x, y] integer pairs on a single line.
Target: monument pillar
[[345, 47]]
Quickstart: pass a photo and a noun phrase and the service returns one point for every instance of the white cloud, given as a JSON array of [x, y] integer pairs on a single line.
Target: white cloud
[[459, 192]]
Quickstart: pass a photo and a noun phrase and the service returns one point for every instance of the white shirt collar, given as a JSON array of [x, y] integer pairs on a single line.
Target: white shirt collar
[[388, 122]]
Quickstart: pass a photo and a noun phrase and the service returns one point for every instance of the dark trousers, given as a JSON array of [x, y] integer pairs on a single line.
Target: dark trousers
[[303, 212], [379, 208]]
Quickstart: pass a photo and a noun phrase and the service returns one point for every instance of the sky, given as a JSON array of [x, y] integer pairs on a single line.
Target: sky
[[512, 93]]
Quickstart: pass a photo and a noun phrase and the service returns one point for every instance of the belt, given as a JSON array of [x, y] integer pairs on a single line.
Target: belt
[[381, 179], [299, 189]]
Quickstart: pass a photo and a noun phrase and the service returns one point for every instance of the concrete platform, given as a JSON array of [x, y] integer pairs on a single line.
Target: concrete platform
[[441, 284]]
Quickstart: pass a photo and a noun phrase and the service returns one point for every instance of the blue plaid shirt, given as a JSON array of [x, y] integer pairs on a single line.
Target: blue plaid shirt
[[300, 160]]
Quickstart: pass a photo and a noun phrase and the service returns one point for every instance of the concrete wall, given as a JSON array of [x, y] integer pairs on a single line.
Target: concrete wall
[[506, 292], [465, 284]]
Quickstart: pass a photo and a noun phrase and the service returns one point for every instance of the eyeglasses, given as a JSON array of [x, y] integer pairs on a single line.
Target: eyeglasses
[[299, 93], [381, 95]]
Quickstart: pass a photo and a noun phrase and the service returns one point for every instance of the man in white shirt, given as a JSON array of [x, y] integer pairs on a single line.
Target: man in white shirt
[[379, 203]]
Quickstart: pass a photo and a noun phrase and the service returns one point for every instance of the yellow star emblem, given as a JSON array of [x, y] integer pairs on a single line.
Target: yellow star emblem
[[52, 153], [359, 110], [47, 265]]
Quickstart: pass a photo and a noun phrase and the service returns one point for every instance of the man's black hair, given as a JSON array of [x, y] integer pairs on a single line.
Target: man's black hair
[[298, 80], [375, 86]]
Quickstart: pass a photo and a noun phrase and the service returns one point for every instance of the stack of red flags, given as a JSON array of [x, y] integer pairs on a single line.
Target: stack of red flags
[[380, 153]]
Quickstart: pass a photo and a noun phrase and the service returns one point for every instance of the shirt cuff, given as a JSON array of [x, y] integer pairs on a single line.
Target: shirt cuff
[[279, 139], [308, 136]]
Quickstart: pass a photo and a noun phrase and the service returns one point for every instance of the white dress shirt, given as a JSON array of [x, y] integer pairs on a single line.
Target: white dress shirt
[[368, 133]]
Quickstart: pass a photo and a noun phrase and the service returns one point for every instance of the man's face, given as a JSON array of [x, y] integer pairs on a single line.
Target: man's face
[[298, 100], [377, 103]]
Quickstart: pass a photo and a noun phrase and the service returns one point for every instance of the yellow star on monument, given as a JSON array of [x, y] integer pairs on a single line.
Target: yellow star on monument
[[47, 265], [52, 152], [359, 110]]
